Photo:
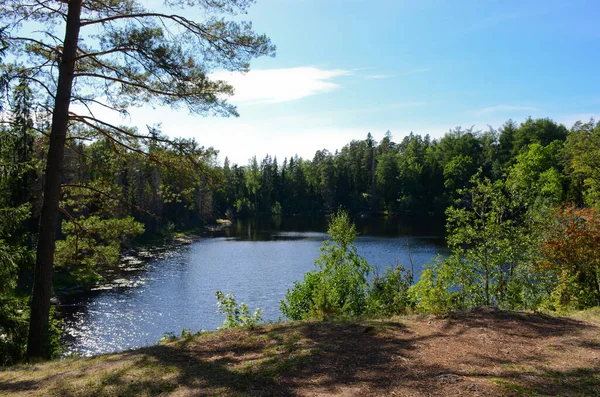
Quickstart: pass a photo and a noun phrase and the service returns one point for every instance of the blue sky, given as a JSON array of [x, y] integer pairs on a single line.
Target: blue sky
[[348, 67]]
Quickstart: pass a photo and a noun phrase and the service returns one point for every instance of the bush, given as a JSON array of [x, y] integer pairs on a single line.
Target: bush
[[446, 285], [389, 294], [14, 324], [571, 256], [339, 286], [236, 316], [170, 336]]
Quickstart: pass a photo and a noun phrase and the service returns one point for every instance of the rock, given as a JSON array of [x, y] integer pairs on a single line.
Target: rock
[[102, 288]]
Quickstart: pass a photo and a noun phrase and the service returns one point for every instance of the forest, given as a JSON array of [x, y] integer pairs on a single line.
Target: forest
[[519, 201]]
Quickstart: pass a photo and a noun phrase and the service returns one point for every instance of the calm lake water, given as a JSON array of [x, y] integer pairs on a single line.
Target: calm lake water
[[257, 260]]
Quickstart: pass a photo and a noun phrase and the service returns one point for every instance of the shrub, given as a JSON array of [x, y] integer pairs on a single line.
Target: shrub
[[446, 285], [571, 255], [236, 316], [339, 286], [389, 294], [14, 324]]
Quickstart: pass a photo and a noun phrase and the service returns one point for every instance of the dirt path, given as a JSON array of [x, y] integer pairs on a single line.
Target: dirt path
[[481, 353]]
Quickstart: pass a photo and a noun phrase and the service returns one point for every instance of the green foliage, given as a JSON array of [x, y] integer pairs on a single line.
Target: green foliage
[[276, 209], [170, 336], [541, 131], [583, 151], [253, 182], [17, 171], [444, 286], [457, 171], [93, 243], [236, 315], [13, 253], [536, 174], [167, 337], [14, 324], [152, 55], [339, 285], [387, 177], [417, 176], [389, 294], [167, 232], [453, 284], [55, 346], [492, 233], [243, 206], [186, 333]]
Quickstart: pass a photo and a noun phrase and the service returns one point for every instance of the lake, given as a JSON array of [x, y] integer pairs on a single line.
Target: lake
[[257, 260]]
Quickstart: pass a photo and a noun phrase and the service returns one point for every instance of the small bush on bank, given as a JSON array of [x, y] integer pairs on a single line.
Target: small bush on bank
[[390, 294], [339, 285], [236, 315]]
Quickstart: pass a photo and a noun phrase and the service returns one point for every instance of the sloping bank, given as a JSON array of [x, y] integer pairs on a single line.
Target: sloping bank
[[484, 352]]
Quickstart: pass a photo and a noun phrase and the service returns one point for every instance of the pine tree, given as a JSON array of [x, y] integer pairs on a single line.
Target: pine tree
[[116, 54]]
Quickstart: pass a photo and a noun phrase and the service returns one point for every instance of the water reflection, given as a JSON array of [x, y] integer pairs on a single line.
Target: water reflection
[[258, 260], [271, 227]]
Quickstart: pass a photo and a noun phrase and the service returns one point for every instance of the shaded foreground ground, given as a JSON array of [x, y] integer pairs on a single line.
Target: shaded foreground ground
[[484, 352]]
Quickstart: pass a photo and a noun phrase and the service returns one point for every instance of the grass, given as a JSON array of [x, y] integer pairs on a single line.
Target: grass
[[513, 388], [592, 314]]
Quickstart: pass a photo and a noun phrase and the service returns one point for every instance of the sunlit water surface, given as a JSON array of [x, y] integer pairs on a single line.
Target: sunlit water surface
[[257, 263]]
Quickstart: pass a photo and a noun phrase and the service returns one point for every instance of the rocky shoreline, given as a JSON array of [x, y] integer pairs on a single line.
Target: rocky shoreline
[[132, 262]]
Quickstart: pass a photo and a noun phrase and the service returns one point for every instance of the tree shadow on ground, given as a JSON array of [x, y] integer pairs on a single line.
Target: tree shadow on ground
[[436, 357]]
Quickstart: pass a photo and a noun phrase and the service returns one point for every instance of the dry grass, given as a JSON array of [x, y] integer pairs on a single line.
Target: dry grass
[[484, 352]]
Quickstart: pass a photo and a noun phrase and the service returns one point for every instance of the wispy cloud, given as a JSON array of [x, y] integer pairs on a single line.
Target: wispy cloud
[[379, 76], [416, 71], [281, 85], [501, 109]]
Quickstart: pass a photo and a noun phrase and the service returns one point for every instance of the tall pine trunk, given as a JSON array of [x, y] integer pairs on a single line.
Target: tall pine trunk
[[37, 344]]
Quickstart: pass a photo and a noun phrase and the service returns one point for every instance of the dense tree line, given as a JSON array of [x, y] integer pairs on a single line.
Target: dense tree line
[[417, 176]]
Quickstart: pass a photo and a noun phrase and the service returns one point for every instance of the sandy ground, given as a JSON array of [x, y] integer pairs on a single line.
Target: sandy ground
[[481, 353]]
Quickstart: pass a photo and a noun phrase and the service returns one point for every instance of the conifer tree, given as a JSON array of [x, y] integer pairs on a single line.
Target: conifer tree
[[114, 54]]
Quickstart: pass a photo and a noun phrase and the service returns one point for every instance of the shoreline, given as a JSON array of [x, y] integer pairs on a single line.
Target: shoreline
[[132, 261]]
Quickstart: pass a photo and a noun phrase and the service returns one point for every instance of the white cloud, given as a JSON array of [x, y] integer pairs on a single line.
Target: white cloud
[[280, 85], [301, 133], [239, 140], [501, 109], [379, 76]]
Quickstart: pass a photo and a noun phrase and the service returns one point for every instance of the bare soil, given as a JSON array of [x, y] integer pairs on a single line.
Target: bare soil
[[484, 352]]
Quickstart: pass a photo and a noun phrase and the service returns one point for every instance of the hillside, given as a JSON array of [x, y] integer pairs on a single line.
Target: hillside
[[484, 352]]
